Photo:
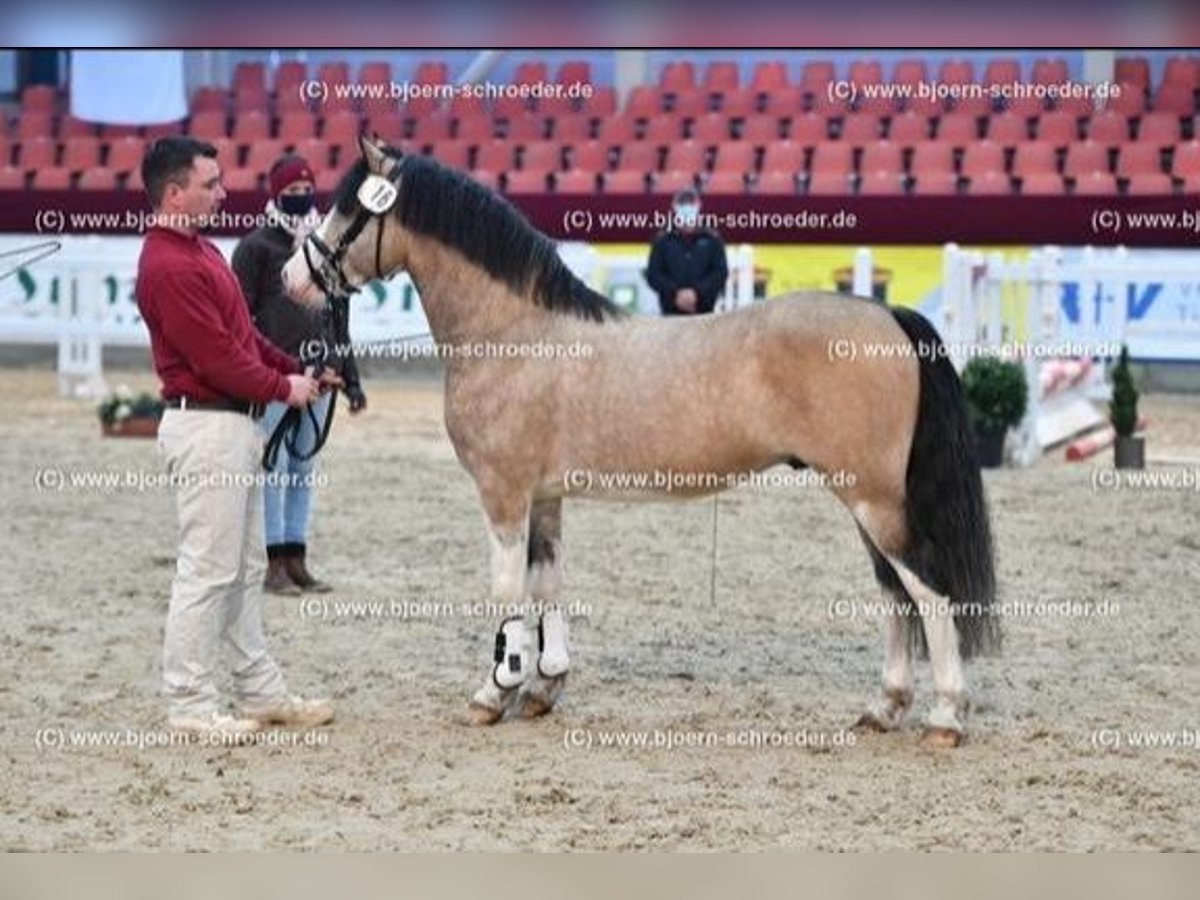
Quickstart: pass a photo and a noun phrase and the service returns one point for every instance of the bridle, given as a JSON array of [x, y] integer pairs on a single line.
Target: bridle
[[376, 196]]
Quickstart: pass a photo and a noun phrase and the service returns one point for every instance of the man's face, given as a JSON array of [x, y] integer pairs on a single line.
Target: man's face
[[200, 196]]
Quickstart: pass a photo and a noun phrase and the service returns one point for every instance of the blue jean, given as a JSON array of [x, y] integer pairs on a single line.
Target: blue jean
[[287, 498]]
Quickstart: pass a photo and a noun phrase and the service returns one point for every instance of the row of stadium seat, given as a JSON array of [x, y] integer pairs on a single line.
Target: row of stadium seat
[[1181, 159], [577, 181]]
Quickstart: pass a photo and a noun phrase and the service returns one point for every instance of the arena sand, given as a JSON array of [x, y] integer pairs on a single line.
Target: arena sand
[[758, 683]]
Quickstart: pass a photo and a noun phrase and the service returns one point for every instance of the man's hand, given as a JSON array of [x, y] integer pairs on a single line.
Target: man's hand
[[302, 390], [358, 400], [685, 299]]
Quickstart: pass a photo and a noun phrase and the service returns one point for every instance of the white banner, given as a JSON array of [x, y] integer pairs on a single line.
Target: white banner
[[128, 87]]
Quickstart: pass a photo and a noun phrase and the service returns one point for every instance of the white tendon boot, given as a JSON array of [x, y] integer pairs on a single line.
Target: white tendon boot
[[513, 667], [546, 686]]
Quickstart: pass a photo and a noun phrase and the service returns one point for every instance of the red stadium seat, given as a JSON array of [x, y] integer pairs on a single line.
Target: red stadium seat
[[576, 181], [878, 106], [250, 74], [881, 184], [526, 182], [956, 71], [859, 129], [35, 124], [829, 184], [1042, 184], [208, 125], [511, 107], [601, 104], [672, 181], [639, 157], [1049, 71], [1138, 159], [389, 126], [721, 76], [455, 154], [133, 181], [710, 129], [776, 182], [261, 155], [910, 71], [832, 157], [494, 156], [525, 128], [690, 103], [39, 98], [738, 103], [1175, 98], [808, 130], [988, 183], [296, 126], [982, 157], [81, 153], [162, 129], [975, 106], [1183, 71], [626, 181], [54, 178], [125, 154], [935, 184], [316, 151], [616, 131], [71, 127], [760, 130], [1129, 100], [476, 129], [1095, 184], [112, 132], [241, 180], [663, 130], [531, 72], [1026, 106], [925, 106], [1158, 128], [341, 126], [590, 156], [36, 153], [432, 72], [572, 128], [785, 102], [908, 129], [1057, 128], [932, 157], [769, 76], [734, 156], [575, 71], [328, 180], [677, 75], [1108, 127], [783, 156], [881, 156], [99, 179], [375, 72], [958, 130], [815, 74], [1149, 183], [1186, 160], [1191, 184], [11, 178], [829, 107], [246, 101], [1007, 129], [686, 156], [251, 126], [1002, 70], [228, 155], [1035, 157], [865, 71], [1132, 70], [1076, 106], [643, 102], [288, 77], [542, 156], [1084, 157], [728, 182]]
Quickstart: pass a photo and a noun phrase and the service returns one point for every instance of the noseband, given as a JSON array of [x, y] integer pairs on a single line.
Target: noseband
[[377, 196]]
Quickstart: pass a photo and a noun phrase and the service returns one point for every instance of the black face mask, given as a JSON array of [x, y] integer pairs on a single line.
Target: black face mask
[[296, 204]]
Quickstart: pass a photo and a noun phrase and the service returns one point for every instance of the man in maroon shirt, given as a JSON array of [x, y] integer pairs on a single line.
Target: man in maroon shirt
[[217, 373]]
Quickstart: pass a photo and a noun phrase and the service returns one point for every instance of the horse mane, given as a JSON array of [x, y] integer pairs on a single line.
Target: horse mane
[[457, 211]]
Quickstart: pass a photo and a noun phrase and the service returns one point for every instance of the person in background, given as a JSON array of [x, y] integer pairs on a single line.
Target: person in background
[[217, 373], [687, 267], [257, 260]]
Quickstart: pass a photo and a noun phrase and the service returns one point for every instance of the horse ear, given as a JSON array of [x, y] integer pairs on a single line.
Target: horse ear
[[372, 152]]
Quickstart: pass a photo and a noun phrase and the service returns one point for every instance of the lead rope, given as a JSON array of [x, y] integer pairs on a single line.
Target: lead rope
[[287, 432]]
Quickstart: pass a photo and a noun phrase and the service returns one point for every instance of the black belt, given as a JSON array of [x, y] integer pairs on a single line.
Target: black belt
[[254, 410]]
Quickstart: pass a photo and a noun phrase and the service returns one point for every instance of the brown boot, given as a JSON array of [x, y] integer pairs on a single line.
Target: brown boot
[[277, 580], [298, 572]]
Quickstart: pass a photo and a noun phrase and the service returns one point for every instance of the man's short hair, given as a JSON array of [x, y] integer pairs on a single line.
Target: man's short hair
[[168, 161], [687, 195]]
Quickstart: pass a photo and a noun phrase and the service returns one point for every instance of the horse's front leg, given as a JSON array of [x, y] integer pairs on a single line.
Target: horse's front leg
[[515, 652], [545, 589]]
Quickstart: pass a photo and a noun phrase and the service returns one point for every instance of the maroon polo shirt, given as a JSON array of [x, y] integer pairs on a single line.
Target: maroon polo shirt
[[205, 347]]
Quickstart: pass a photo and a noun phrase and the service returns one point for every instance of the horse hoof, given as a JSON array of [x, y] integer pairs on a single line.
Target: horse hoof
[[869, 722], [938, 738], [483, 715], [535, 707]]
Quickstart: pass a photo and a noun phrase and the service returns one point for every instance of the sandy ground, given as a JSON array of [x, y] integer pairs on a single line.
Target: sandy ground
[[1051, 762]]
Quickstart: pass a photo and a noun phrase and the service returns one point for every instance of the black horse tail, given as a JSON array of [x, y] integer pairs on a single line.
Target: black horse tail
[[949, 536]]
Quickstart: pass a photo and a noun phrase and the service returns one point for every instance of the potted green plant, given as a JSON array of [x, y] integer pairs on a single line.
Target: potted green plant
[[122, 414], [997, 396], [1129, 452]]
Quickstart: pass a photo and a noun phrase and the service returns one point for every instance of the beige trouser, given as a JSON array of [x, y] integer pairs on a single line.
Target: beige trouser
[[216, 597]]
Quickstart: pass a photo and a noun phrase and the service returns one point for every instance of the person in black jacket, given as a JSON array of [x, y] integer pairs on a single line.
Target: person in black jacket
[[687, 267], [257, 261]]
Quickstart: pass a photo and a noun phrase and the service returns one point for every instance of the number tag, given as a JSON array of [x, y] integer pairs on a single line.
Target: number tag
[[377, 194]]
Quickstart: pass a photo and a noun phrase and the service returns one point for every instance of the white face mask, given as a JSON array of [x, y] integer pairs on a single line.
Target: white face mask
[[687, 214]]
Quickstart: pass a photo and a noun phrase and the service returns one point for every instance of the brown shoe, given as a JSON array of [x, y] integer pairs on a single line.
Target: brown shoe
[[277, 580], [297, 571]]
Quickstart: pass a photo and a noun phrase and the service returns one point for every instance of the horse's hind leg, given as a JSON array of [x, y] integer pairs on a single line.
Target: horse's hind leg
[[888, 710], [508, 529], [545, 686]]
